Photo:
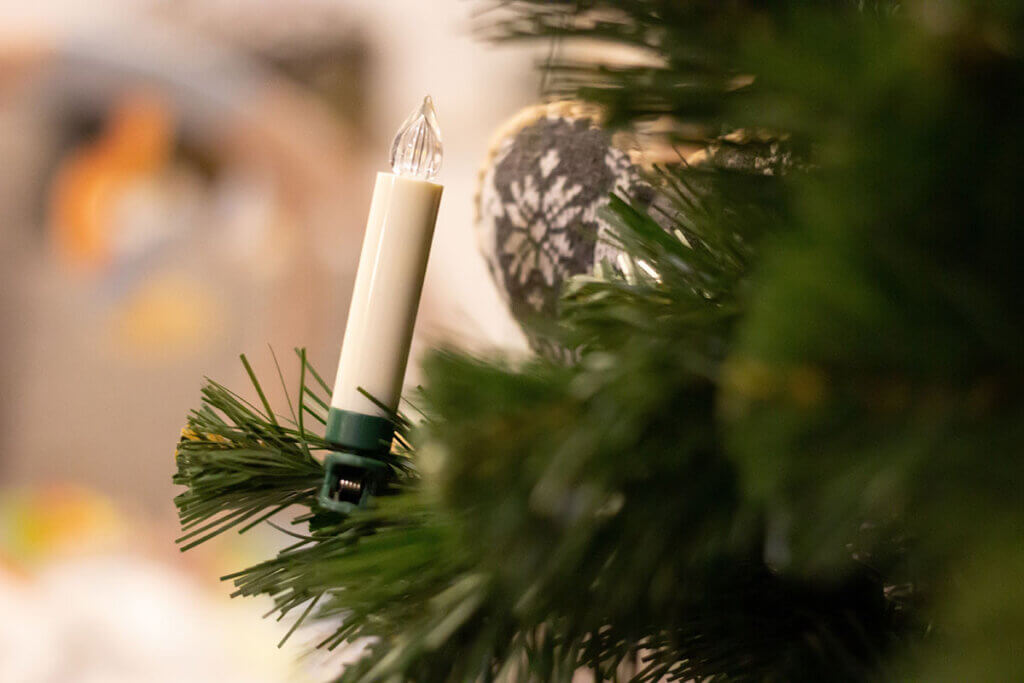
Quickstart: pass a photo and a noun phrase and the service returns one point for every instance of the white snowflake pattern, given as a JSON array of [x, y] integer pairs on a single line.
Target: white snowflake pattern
[[539, 203]]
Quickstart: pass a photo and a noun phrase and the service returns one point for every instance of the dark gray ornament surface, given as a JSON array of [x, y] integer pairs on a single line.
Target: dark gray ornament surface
[[538, 210]]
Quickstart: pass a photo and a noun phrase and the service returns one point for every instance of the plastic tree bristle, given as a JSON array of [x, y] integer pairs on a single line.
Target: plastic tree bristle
[[416, 150]]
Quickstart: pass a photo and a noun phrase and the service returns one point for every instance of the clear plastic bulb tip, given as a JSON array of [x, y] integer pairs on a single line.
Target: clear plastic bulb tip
[[416, 150]]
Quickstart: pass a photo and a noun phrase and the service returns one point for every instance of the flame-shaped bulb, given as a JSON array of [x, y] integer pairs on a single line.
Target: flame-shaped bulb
[[416, 151]]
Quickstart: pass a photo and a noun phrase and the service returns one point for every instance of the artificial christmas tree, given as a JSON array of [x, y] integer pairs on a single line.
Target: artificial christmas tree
[[788, 448]]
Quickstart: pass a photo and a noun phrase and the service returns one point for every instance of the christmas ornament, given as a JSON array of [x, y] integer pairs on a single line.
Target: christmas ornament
[[757, 152], [389, 280], [548, 173]]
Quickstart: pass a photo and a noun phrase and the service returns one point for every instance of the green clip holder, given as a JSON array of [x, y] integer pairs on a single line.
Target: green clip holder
[[351, 475]]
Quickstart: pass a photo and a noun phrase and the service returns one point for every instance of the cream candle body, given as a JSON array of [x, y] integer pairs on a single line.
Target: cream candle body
[[392, 265]]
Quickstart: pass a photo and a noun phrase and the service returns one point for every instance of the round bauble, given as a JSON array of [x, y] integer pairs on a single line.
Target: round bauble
[[549, 171]]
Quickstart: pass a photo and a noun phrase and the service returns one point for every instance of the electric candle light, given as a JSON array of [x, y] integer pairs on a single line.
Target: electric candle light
[[375, 348]]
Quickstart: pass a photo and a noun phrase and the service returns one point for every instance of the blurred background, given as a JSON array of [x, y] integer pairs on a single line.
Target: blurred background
[[185, 180]]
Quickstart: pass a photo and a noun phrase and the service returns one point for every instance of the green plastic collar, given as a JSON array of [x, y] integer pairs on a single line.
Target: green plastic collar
[[358, 432]]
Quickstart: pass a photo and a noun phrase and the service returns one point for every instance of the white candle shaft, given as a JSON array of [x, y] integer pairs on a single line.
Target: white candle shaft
[[392, 264]]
